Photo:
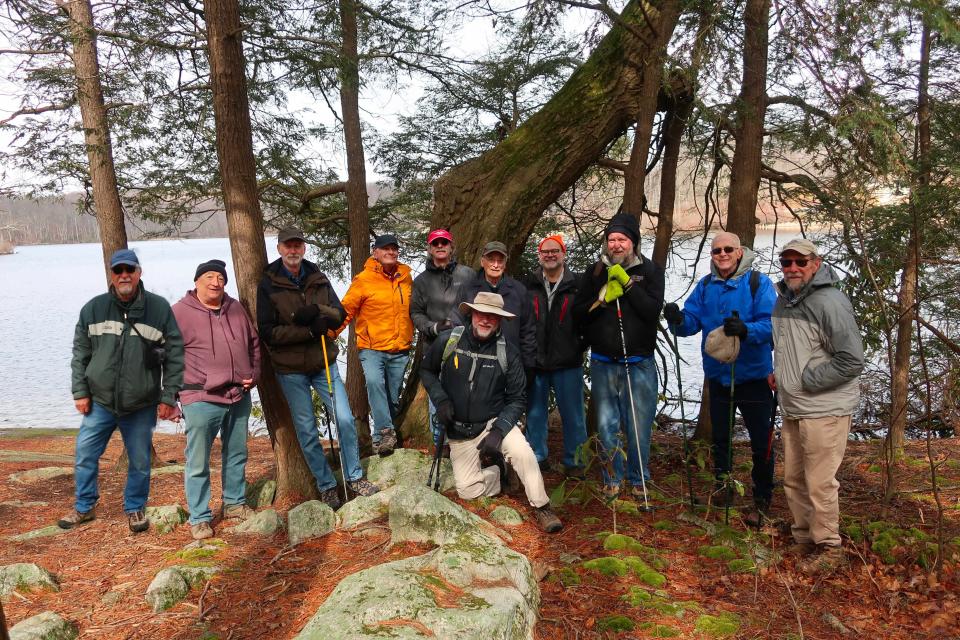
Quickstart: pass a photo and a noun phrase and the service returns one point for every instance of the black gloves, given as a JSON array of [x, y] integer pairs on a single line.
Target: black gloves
[[304, 316], [672, 313], [490, 445], [318, 327], [442, 325], [734, 326], [444, 414]]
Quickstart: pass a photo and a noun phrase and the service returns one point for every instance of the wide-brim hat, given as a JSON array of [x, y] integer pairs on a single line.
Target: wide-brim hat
[[486, 302], [722, 347]]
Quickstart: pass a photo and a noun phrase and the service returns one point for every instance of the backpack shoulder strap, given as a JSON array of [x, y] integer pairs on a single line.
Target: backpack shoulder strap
[[502, 353], [452, 341], [754, 282]]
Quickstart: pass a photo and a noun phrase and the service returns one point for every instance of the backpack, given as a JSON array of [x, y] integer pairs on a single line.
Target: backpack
[[451, 347], [754, 281]]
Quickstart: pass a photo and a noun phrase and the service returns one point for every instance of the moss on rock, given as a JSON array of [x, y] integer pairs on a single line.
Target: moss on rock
[[607, 566], [717, 552], [720, 626]]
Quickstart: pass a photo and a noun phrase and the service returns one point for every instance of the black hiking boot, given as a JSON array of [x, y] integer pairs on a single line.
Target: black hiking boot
[[547, 519]]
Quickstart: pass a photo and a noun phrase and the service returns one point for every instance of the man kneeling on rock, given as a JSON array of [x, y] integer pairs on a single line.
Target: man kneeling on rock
[[476, 381]]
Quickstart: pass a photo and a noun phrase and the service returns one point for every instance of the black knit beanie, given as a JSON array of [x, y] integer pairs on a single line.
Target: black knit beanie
[[626, 224], [212, 265]]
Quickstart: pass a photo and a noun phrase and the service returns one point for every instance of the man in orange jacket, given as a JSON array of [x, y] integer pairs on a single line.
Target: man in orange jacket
[[379, 301]]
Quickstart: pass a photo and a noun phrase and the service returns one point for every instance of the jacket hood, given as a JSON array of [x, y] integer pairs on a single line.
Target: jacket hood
[[450, 268], [746, 262], [824, 277], [190, 299], [276, 269], [373, 266], [634, 260]]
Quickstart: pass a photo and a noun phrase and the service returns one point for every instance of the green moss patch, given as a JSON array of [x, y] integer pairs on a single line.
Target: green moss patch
[[565, 576], [659, 602], [617, 624], [723, 625], [654, 630], [717, 552], [607, 566], [664, 525], [644, 572], [742, 565], [591, 520]]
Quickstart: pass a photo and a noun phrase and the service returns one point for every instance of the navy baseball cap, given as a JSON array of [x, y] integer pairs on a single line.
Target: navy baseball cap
[[124, 256]]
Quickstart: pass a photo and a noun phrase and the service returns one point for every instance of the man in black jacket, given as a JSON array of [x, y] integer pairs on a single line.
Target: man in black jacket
[[619, 301], [476, 380], [434, 294], [559, 362]]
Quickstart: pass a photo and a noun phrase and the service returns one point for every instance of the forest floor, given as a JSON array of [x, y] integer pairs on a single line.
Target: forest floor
[[889, 589]]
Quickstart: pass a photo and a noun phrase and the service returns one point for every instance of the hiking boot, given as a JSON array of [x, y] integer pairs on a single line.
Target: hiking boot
[[611, 491], [547, 519], [758, 515], [237, 512], [138, 521], [800, 549], [636, 491], [824, 561], [201, 530], [387, 443], [362, 487], [330, 498], [544, 466], [74, 518]]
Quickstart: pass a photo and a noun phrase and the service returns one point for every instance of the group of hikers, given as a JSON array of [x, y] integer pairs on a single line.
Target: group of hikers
[[495, 348]]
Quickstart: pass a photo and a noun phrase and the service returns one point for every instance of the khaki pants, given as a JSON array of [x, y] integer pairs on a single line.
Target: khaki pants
[[813, 450], [473, 481]]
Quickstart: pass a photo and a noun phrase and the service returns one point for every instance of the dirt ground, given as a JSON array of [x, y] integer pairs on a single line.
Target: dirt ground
[[267, 591]]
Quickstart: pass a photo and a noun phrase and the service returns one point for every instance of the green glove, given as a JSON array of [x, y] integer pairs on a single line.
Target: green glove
[[616, 272], [614, 291]]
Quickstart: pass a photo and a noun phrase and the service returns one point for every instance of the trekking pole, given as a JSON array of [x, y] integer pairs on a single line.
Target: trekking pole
[[633, 408], [439, 461], [683, 419], [333, 403], [435, 465], [733, 413]]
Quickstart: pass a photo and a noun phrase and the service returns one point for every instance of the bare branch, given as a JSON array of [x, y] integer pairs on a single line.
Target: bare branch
[[63, 106]]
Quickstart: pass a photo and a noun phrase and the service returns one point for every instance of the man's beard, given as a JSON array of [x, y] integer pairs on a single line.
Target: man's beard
[[617, 259], [483, 333]]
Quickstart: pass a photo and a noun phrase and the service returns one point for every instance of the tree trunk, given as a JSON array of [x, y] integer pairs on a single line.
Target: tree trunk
[[502, 193], [245, 222], [3, 625], [96, 130], [751, 112], [673, 128], [414, 419], [357, 199]]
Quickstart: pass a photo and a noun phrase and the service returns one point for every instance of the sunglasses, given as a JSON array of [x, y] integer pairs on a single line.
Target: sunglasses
[[718, 250], [800, 262], [440, 242], [124, 268]]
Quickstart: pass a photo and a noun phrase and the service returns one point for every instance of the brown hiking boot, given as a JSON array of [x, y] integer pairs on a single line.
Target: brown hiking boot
[[362, 487], [330, 498], [237, 512], [611, 491], [388, 442], [201, 530], [800, 549], [138, 521], [74, 518], [758, 515], [547, 519], [825, 561]]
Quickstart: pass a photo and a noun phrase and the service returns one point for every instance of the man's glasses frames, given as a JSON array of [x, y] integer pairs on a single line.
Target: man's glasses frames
[[124, 268], [716, 250], [440, 242], [549, 252], [800, 262]]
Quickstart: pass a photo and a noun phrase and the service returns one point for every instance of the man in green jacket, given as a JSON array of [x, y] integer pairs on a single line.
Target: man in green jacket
[[127, 370]]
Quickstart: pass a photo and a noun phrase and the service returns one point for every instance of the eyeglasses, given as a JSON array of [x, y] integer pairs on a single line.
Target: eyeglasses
[[549, 252], [800, 262], [717, 250], [440, 242], [124, 268]]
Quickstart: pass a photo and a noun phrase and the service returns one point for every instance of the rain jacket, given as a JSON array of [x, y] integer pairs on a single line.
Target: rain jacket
[[380, 304], [434, 294], [714, 299], [109, 359], [221, 349], [819, 353]]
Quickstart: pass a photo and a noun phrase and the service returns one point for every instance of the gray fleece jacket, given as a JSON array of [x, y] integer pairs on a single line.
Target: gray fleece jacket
[[817, 349]]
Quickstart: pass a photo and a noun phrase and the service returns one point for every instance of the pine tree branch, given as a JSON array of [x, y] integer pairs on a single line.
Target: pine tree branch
[[34, 111]]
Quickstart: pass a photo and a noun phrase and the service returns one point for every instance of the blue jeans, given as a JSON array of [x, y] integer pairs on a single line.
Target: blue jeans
[[136, 429], [384, 375], [203, 421], [296, 387], [612, 396], [567, 385]]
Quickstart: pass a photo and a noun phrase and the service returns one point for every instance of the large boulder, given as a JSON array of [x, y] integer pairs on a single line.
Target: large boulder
[[406, 467], [311, 519], [44, 626], [262, 523], [171, 585], [363, 509], [419, 514], [43, 473], [25, 575], [166, 518]]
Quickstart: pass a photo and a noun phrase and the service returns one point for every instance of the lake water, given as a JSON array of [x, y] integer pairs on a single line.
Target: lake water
[[42, 289]]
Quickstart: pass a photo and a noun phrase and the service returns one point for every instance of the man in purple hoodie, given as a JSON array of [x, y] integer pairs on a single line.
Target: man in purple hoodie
[[222, 354]]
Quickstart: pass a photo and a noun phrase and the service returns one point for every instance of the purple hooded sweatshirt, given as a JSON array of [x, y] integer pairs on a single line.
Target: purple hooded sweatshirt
[[221, 350]]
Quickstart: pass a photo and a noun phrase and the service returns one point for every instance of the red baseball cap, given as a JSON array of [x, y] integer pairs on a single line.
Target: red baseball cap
[[439, 233]]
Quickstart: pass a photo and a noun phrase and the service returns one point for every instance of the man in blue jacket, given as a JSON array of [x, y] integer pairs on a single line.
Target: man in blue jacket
[[739, 301]]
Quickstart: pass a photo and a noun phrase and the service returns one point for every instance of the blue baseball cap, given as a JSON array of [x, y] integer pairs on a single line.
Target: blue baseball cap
[[124, 256]]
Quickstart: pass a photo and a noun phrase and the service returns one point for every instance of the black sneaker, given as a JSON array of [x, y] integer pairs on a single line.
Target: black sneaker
[[74, 518], [330, 498], [547, 519], [138, 521]]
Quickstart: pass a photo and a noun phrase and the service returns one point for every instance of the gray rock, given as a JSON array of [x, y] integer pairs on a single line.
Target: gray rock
[[310, 519], [166, 518], [21, 504], [25, 575], [261, 493], [44, 626], [506, 516], [263, 523], [167, 589], [419, 514], [210, 544], [569, 558], [363, 509], [13, 455], [52, 530], [196, 575], [406, 467], [43, 473], [167, 469]]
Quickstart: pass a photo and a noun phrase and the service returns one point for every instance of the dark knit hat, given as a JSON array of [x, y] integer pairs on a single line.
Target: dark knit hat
[[212, 265], [626, 224]]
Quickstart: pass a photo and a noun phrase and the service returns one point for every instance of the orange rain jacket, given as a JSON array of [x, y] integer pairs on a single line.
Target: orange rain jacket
[[381, 307]]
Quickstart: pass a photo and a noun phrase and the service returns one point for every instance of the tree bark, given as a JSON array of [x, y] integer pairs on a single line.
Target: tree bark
[[3, 625], [751, 112], [245, 222], [357, 199], [502, 193], [673, 128], [96, 130]]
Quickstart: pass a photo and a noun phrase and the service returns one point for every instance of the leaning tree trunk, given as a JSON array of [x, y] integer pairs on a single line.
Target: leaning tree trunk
[[357, 200], [751, 112], [502, 193], [96, 129], [244, 220], [675, 124]]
